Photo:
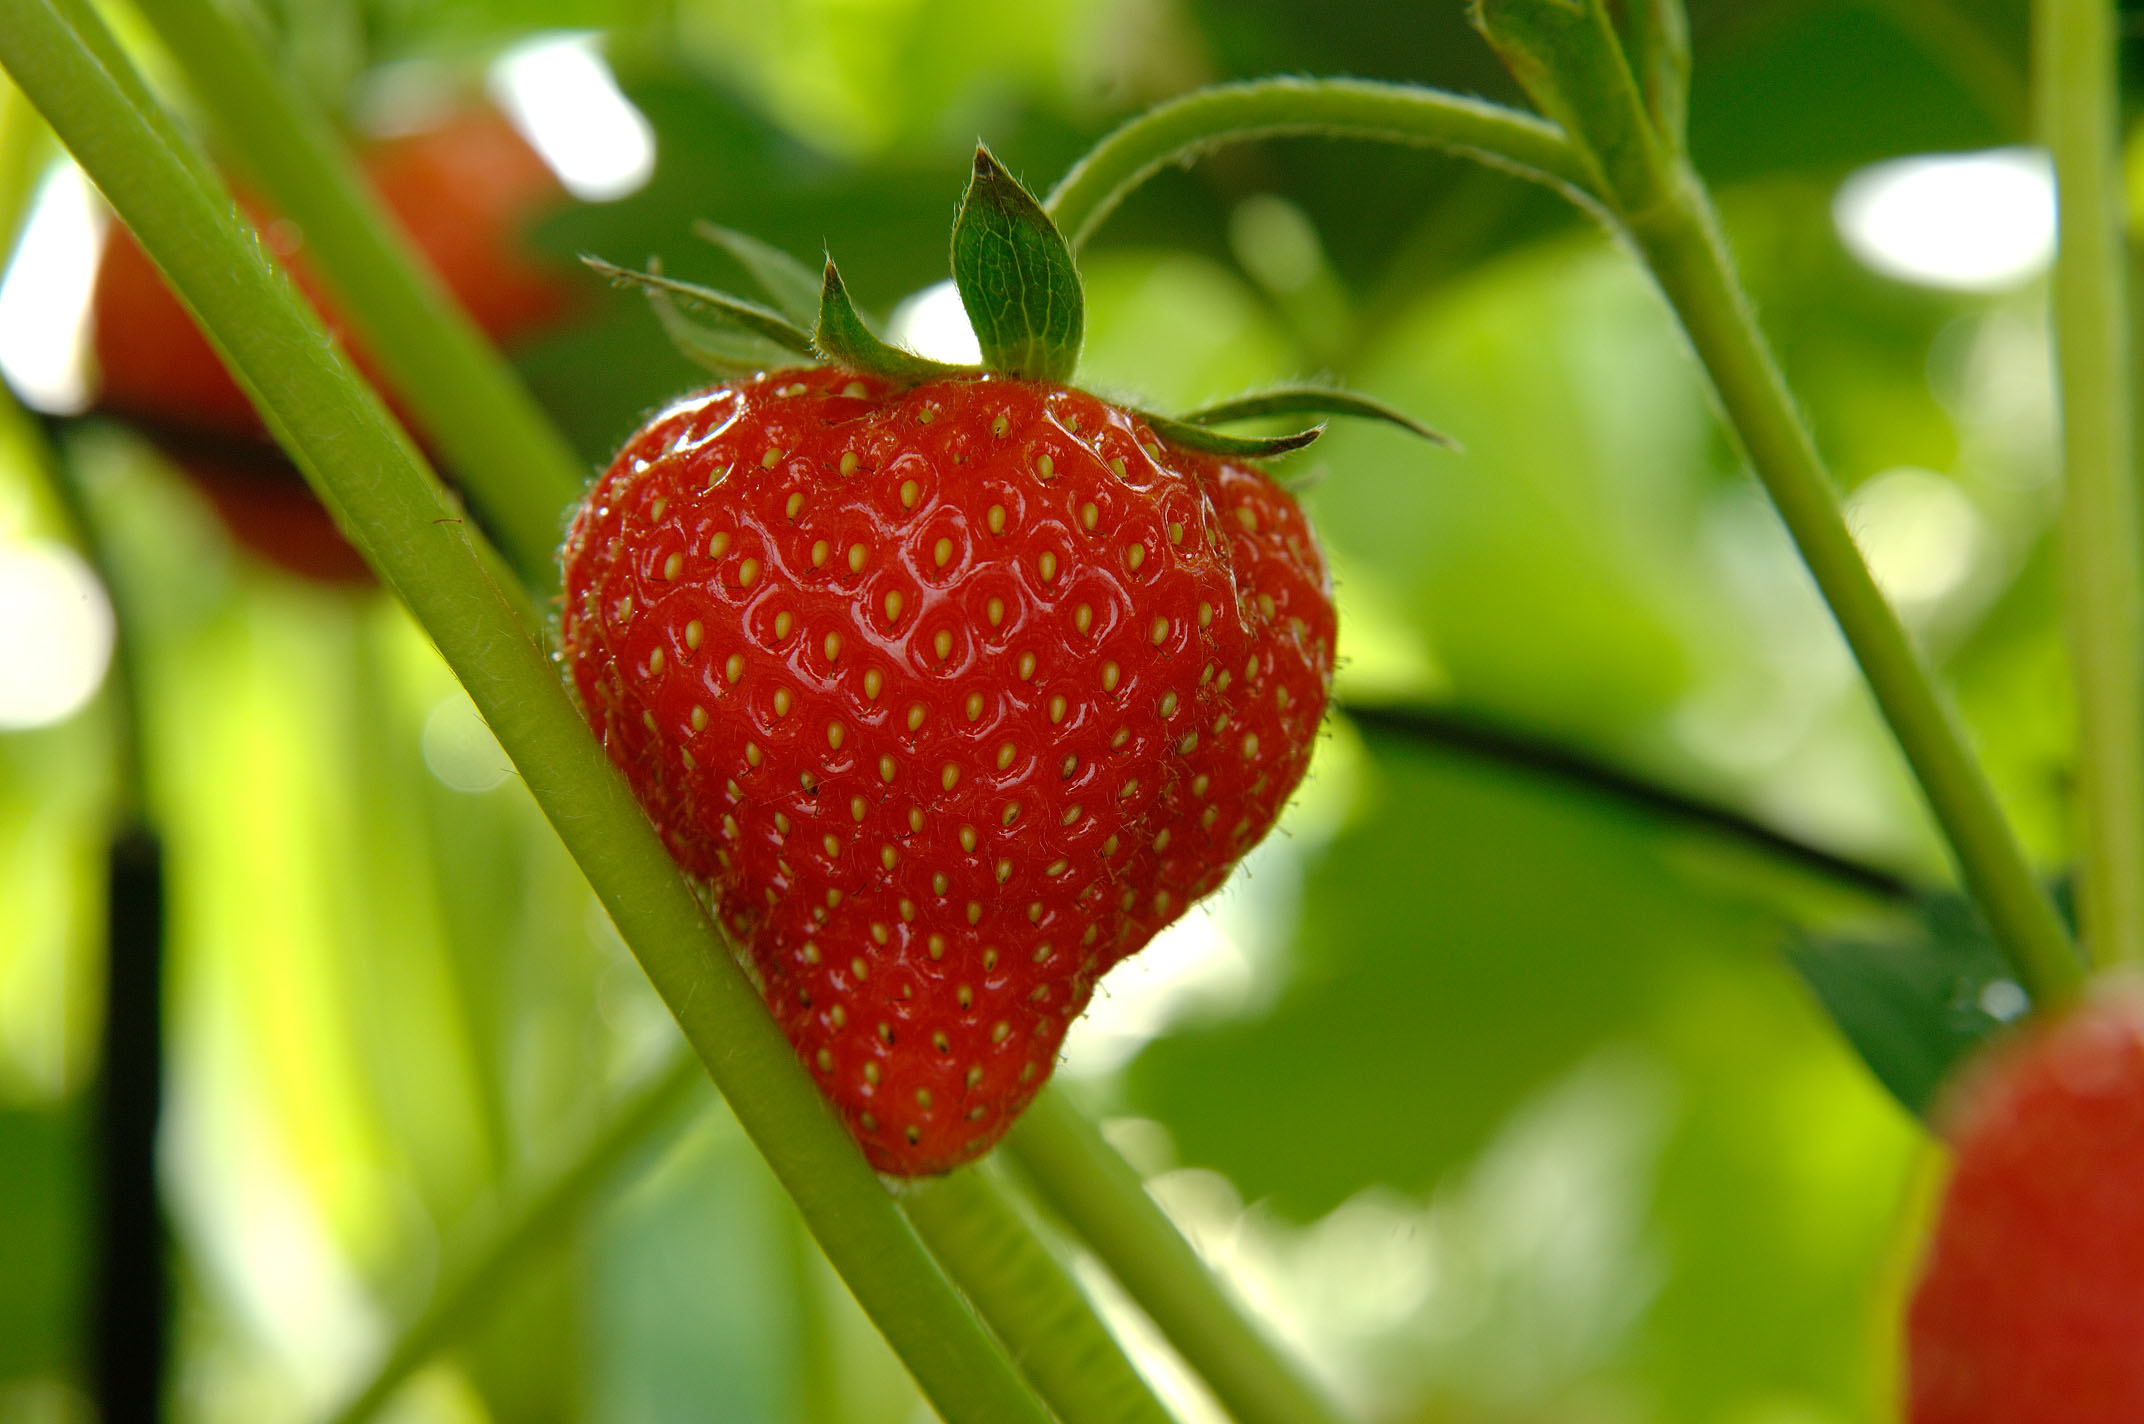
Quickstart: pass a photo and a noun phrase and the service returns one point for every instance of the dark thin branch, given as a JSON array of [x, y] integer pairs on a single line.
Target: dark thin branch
[[1459, 732]]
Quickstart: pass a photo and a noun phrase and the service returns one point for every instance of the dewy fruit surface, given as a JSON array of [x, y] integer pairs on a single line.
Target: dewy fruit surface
[[2031, 1303], [953, 696]]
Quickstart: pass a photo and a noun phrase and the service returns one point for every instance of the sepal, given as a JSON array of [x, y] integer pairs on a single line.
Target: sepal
[[1016, 278], [1213, 442], [723, 310], [1310, 399], [791, 285], [843, 339]]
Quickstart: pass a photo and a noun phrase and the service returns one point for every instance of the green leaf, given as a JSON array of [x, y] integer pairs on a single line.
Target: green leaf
[[843, 339], [733, 312], [726, 353], [1312, 400], [1213, 442], [1016, 278], [789, 284], [1914, 995]]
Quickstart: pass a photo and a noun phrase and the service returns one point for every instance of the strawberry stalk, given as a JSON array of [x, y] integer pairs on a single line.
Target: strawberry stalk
[[1096, 1192], [365, 467], [1568, 59], [1623, 169], [1323, 108], [2074, 84], [519, 472], [976, 1228]]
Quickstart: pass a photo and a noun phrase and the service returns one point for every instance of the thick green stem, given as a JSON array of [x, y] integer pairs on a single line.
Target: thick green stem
[[483, 1263], [1566, 55], [2074, 83], [357, 458], [516, 468], [993, 1253], [1084, 1181], [1326, 108]]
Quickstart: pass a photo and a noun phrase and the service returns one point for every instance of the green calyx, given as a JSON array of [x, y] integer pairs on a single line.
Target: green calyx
[[1020, 289]]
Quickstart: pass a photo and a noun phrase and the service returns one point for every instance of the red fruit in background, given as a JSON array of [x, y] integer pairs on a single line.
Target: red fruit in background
[[953, 696], [463, 190], [2031, 1302]]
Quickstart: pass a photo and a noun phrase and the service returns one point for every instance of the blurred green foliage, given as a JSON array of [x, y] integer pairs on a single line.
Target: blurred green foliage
[[1507, 1105]]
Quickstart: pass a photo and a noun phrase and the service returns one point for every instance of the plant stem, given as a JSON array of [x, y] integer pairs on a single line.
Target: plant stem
[[1576, 770], [517, 469], [1326, 108], [2074, 84], [131, 1336], [485, 1260], [1566, 55], [361, 463], [1030, 1299], [1083, 1180]]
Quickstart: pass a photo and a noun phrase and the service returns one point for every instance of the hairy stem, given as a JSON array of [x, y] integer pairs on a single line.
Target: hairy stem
[[358, 459], [2074, 84], [1083, 1180], [1566, 55], [517, 469], [979, 1234], [1328, 108]]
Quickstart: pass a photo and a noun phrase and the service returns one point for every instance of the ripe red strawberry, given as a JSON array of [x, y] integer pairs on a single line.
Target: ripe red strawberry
[[954, 696], [2031, 1303], [953, 686]]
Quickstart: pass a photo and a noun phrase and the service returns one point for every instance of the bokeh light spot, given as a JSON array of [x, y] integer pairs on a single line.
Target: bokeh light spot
[[1974, 222], [1918, 531], [562, 96], [933, 323], [55, 634], [44, 295]]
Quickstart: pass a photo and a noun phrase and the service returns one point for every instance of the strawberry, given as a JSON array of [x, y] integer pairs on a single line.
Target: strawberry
[[2031, 1301], [952, 686], [462, 190]]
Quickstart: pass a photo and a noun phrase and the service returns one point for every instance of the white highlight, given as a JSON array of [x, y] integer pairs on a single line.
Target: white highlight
[[55, 634], [1971, 222], [2003, 1000], [562, 96], [1919, 532], [933, 323], [45, 293]]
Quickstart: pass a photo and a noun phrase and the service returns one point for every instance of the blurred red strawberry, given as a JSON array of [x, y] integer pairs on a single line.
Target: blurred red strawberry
[[464, 190]]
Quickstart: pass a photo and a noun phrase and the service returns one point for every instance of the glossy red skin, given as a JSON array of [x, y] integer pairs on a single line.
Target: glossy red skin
[[927, 978], [463, 191], [2031, 1302]]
